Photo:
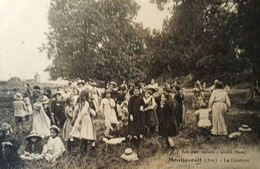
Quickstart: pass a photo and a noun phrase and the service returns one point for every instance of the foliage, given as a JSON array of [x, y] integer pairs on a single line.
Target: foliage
[[95, 39]]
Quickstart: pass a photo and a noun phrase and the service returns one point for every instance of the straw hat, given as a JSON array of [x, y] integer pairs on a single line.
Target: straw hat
[[55, 128], [33, 134], [44, 99], [18, 96], [245, 128], [129, 155], [234, 135], [80, 82]]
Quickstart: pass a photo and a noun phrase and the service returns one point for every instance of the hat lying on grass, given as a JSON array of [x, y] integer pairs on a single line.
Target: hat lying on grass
[[245, 128], [129, 155], [114, 140], [234, 135]]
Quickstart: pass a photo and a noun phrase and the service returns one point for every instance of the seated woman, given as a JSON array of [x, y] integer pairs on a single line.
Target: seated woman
[[9, 158], [55, 147], [35, 148]]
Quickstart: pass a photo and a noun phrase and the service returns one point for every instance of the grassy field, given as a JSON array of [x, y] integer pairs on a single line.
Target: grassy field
[[153, 153]]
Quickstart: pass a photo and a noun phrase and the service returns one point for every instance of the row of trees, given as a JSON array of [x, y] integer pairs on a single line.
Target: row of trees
[[203, 38]]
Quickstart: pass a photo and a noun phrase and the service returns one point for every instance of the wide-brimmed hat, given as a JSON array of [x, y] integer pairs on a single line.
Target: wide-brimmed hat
[[151, 89], [129, 155], [113, 84], [80, 82], [37, 88], [55, 128], [33, 134], [244, 128], [44, 99], [55, 93], [93, 84], [234, 135], [18, 96]]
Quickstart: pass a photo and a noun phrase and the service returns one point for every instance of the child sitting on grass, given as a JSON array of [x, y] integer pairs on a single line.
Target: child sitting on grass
[[55, 147], [35, 148], [204, 124]]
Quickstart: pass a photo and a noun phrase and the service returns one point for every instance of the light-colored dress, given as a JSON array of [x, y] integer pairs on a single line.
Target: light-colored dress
[[108, 107], [219, 101], [28, 105], [55, 149], [19, 108], [84, 127], [41, 122], [203, 117], [67, 125]]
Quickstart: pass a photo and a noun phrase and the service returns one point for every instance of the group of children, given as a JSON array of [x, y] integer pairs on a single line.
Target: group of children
[[133, 111]]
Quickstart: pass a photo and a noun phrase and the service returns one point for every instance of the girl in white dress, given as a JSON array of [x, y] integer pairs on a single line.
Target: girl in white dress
[[84, 128], [55, 147], [41, 122], [108, 108]]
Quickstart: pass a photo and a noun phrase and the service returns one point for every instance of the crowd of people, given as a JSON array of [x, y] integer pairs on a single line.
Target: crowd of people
[[134, 111]]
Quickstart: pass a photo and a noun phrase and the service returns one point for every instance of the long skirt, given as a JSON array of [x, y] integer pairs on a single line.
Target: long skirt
[[218, 121]]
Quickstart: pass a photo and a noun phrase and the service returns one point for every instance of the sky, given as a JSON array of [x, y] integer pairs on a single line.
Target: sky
[[22, 27]]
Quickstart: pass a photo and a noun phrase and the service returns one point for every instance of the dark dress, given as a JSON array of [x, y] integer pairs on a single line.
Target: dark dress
[[151, 118], [158, 101], [137, 126], [178, 100], [168, 124], [9, 158], [57, 108], [34, 147]]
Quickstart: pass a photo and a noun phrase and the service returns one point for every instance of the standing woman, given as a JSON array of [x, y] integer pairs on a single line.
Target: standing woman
[[168, 124], [220, 103], [136, 120], [198, 99]]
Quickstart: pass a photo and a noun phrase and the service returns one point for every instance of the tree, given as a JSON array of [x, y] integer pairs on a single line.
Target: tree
[[94, 39]]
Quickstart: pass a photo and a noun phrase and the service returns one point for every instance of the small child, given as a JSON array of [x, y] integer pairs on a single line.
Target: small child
[[35, 148], [108, 109], [67, 125], [55, 147], [203, 117], [19, 111]]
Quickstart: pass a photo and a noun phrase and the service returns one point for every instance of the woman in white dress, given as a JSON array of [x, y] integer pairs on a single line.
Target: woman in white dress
[[41, 122], [220, 103]]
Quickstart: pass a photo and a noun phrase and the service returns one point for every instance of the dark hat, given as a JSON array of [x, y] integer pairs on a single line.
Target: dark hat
[[36, 88], [93, 84], [57, 92]]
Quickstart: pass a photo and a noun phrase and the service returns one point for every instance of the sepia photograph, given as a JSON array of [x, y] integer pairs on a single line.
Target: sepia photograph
[[129, 84]]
